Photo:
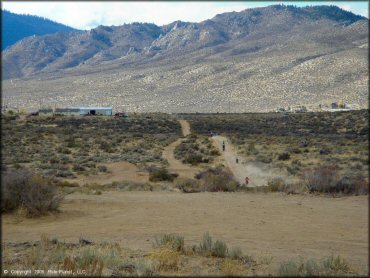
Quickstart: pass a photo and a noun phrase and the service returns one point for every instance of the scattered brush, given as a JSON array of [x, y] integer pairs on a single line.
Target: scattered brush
[[161, 174], [165, 259], [171, 241], [327, 266]]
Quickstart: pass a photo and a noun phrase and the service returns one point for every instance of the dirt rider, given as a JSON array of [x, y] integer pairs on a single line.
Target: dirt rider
[[246, 180], [223, 145]]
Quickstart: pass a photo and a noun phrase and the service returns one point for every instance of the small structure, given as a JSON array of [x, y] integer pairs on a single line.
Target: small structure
[[341, 105], [67, 111], [338, 105], [280, 110], [102, 111]]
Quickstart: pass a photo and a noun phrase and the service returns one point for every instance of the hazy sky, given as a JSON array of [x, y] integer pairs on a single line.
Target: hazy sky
[[87, 15]]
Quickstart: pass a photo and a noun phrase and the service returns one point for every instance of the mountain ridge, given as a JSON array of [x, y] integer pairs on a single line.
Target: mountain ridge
[[259, 58], [105, 43]]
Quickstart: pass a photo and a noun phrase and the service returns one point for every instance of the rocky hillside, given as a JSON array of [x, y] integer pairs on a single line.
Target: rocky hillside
[[252, 60], [18, 26]]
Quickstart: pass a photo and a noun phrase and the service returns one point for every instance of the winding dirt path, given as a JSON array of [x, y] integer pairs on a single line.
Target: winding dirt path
[[258, 175], [175, 165]]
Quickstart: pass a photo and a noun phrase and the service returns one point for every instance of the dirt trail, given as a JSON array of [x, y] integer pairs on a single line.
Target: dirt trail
[[176, 165], [185, 127], [258, 175]]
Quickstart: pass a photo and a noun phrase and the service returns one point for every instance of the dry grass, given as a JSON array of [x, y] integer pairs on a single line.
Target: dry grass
[[230, 267], [165, 259], [327, 266], [109, 259]]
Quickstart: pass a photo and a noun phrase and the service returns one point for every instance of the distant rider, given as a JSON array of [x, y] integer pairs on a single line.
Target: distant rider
[[246, 180]]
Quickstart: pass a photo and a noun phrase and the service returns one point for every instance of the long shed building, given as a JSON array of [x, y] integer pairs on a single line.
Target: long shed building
[[83, 111]]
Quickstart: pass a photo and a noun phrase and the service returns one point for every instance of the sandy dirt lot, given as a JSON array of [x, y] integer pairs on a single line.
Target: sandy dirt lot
[[282, 226]]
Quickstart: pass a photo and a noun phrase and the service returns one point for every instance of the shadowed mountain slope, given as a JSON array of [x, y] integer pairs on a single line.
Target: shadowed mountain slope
[[16, 27]]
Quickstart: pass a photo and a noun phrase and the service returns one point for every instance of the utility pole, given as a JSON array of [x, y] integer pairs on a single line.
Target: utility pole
[[229, 102]]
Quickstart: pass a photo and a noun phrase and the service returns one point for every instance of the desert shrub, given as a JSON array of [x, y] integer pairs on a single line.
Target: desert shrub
[[327, 266], [165, 259], [78, 168], [208, 247], [161, 174], [92, 258], [276, 185], [193, 158], [188, 185], [296, 150], [264, 158], [133, 268], [352, 184], [251, 149], [279, 185], [335, 265], [102, 168], [65, 173], [195, 150], [230, 267], [322, 179], [64, 150], [284, 156], [295, 188], [324, 151], [219, 249], [288, 269], [236, 253], [34, 194], [205, 247], [13, 184], [327, 179], [90, 164], [171, 241], [217, 179], [54, 160]]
